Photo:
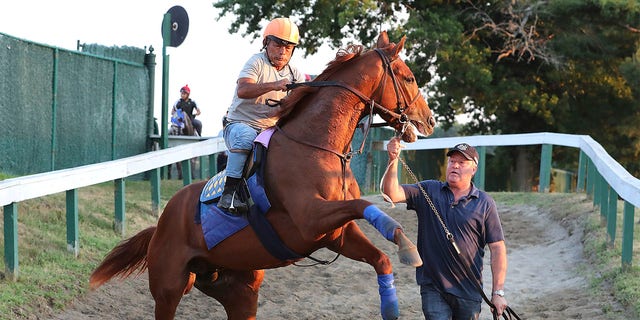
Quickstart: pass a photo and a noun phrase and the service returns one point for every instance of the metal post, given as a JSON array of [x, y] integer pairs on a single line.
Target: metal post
[[114, 110], [612, 214], [119, 225], [11, 241], [150, 63], [54, 109], [155, 191], [545, 169], [166, 34], [186, 172], [627, 234], [480, 175], [73, 245], [582, 170]]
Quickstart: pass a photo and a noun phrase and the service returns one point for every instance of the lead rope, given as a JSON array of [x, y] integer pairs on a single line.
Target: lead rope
[[508, 313]]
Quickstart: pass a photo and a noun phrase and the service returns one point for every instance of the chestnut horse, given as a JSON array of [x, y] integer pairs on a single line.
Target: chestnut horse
[[313, 194]]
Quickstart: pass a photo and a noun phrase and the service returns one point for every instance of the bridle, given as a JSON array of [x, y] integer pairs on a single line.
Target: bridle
[[398, 114]]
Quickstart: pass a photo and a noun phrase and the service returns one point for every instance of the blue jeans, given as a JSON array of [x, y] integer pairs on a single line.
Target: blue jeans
[[437, 305], [239, 138]]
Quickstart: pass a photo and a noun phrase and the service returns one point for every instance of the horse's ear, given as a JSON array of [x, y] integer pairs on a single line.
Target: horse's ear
[[383, 40], [399, 46]]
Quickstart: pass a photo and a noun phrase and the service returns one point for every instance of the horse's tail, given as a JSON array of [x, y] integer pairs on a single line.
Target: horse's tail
[[123, 260]]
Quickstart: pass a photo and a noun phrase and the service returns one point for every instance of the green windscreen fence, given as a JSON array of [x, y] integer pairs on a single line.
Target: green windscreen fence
[[65, 108]]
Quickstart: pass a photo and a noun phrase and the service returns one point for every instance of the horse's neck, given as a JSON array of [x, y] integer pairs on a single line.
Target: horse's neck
[[326, 123]]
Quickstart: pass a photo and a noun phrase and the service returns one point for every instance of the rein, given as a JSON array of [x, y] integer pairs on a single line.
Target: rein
[[508, 313]]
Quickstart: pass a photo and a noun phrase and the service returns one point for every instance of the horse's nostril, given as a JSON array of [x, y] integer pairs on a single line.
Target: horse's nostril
[[432, 121]]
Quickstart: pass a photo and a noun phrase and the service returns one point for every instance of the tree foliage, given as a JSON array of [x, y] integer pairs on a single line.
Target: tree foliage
[[570, 66]]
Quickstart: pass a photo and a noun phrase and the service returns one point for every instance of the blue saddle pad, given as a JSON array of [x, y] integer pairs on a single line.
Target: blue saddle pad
[[218, 224]]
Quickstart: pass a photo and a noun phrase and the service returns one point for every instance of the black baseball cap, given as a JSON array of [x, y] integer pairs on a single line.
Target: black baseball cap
[[467, 151]]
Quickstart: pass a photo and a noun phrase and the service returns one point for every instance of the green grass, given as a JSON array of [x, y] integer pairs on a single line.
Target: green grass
[[50, 277], [624, 281]]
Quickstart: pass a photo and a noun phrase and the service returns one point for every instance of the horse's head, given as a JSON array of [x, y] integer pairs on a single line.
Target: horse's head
[[403, 106]]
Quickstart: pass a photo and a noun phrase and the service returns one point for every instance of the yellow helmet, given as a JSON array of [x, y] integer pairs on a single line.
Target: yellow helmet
[[283, 29]]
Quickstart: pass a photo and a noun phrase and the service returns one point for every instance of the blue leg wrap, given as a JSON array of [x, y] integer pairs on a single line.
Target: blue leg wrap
[[388, 299], [381, 221]]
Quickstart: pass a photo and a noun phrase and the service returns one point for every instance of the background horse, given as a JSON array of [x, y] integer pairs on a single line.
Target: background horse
[[313, 194], [181, 125]]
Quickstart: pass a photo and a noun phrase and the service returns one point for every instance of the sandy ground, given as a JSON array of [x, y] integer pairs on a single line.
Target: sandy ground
[[546, 280]]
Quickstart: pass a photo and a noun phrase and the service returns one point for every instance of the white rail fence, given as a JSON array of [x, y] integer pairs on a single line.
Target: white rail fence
[[603, 177]]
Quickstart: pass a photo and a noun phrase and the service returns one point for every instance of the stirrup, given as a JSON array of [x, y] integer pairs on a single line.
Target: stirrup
[[230, 202]]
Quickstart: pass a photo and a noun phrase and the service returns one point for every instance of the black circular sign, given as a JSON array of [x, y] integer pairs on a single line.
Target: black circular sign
[[179, 26]]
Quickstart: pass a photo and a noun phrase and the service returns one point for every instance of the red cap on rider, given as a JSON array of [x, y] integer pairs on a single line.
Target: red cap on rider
[[185, 89]]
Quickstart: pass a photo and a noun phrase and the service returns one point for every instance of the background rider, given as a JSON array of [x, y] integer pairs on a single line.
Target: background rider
[[188, 106]]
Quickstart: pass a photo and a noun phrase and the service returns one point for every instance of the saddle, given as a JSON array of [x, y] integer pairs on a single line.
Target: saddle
[[217, 224]]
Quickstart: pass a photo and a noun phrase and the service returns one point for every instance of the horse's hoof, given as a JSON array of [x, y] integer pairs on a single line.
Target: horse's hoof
[[410, 256], [407, 251]]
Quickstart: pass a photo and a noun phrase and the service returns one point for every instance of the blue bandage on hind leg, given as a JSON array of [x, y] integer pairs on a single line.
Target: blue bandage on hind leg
[[381, 221], [388, 299]]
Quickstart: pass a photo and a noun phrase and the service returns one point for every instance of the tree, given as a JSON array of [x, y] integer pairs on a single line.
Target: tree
[[567, 66]]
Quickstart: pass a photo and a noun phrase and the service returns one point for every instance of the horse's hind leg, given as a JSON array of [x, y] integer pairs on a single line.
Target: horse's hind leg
[[167, 289], [237, 291]]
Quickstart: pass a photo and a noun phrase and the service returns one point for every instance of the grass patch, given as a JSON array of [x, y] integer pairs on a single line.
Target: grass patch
[[624, 282], [49, 276]]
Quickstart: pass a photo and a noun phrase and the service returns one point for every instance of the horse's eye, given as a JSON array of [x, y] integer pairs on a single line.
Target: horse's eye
[[410, 79]]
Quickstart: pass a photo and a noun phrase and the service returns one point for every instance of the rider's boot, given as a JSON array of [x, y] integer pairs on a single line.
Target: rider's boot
[[230, 201]]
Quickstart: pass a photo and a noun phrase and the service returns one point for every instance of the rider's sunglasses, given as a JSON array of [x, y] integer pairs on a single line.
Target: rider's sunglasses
[[280, 42]]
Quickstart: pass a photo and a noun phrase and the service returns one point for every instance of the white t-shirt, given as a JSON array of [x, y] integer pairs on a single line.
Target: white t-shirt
[[256, 112]]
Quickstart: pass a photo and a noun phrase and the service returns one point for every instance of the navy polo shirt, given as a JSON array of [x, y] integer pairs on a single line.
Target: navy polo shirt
[[474, 223]]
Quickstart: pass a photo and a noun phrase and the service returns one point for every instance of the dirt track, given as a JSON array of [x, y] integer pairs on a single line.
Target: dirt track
[[545, 279]]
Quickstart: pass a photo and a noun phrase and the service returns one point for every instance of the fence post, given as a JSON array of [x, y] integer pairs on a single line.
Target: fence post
[[627, 234], [612, 214], [54, 108], [545, 168], [203, 172], [119, 224], [186, 172], [11, 241], [480, 175], [155, 191], [213, 164], [604, 196], [582, 170], [597, 195], [72, 222], [114, 111], [590, 178]]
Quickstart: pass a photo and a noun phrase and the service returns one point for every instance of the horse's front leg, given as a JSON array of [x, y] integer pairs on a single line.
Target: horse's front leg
[[330, 215], [354, 244]]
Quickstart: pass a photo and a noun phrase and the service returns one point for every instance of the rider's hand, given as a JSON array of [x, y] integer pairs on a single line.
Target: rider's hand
[[281, 85]]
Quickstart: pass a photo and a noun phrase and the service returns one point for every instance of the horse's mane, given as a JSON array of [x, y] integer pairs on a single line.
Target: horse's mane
[[342, 56]]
